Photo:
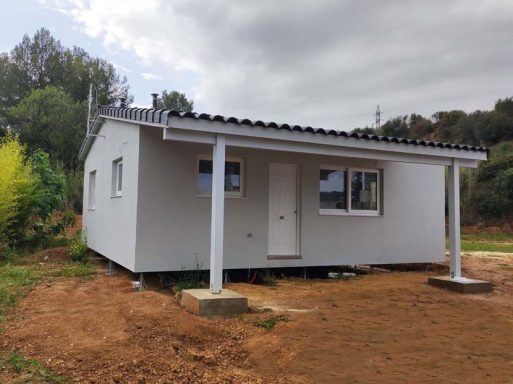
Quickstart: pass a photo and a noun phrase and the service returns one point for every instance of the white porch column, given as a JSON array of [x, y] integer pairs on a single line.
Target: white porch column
[[454, 219], [217, 225]]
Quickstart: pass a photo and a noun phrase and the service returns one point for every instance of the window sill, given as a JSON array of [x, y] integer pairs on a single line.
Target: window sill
[[116, 196], [91, 209], [202, 195], [335, 212]]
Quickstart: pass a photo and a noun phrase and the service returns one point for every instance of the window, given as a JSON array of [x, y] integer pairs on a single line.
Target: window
[[233, 176], [333, 189], [364, 191], [91, 200], [346, 191], [117, 177]]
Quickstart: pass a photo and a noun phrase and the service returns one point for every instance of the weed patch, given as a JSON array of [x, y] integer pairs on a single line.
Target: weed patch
[[271, 322], [32, 368], [75, 270]]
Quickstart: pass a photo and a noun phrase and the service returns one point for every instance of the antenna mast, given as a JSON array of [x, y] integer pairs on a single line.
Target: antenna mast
[[89, 102], [378, 118]]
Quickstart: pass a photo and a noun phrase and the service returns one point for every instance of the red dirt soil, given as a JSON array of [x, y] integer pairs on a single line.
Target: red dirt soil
[[385, 328]]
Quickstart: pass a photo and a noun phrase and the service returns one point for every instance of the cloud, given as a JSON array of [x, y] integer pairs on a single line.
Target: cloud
[[150, 76], [325, 63]]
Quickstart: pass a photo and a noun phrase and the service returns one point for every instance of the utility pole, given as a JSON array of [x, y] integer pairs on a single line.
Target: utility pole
[[378, 118]]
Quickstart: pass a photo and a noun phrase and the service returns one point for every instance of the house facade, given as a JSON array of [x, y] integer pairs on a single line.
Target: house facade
[[164, 190]]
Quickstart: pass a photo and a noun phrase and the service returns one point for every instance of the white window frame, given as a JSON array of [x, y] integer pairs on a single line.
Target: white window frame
[[116, 164], [91, 197], [239, 194], [348, 211]]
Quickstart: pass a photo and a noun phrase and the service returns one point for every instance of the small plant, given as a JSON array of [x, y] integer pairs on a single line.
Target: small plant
[[271, 322], [268, 278], [194, 278], [78, 250]]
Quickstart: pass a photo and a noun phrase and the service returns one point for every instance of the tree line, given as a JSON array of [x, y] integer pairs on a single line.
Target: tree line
[[486, 192], [44, 90]]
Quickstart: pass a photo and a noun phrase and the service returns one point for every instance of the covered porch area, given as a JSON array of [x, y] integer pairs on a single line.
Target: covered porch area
[[222, 136]]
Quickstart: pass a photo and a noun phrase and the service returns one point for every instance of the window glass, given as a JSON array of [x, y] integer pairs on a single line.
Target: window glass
[[120, 176], [92, 190], [364, 191], [232, 176], [117, 177], [332, 189]]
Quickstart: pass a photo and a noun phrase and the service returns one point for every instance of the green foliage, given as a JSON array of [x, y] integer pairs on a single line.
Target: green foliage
[[271, 322], [51, 120], [82, 269], [42, 61], [49, 199], [73, 191], [16, 190], [15, 281], [79, 251], [175, 100], [397, 126], [44, 88], [492, 196], [192, 278], [268, 278], [31, 368]]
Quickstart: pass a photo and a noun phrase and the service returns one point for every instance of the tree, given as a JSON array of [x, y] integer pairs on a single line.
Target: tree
[[51, 120], [42, 61], [505, 106], [397, 126], [420, 127], [493, 194], [175, 100], [367, 130]]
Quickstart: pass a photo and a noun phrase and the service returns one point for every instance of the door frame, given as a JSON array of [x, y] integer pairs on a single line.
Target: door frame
[[298, 214]]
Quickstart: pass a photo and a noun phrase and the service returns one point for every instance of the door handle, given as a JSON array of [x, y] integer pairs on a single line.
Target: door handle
[[282, 217]]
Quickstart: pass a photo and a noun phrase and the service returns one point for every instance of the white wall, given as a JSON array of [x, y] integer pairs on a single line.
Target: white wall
[[174, 224], [111, 226]]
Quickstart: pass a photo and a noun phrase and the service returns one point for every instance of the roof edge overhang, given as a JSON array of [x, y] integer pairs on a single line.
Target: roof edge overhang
[[269, 136]]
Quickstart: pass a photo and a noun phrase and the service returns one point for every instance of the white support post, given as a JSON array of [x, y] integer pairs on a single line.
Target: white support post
[[454, 220], [217, 225]]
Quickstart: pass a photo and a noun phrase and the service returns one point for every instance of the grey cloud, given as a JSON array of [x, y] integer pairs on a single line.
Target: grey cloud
[[328, 63]]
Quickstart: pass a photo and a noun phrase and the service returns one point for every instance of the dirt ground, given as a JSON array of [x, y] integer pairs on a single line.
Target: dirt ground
[[385, 328]]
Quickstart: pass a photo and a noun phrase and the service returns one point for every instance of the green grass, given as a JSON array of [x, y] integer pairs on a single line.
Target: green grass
[[75, 270], [486, 242], [15, 282], [471, 246], [29, 370], [18, 276]]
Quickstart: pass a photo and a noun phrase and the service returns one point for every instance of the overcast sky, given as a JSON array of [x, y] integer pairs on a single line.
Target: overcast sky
[[324, 63]]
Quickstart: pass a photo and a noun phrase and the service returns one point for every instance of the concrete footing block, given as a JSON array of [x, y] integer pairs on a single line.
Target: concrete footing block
[[461, 284], [204, 302]]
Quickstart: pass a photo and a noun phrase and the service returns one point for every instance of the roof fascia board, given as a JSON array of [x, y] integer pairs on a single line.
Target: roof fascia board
[[309, 148], [306, 137]]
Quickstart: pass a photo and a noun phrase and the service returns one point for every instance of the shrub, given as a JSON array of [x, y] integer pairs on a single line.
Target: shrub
[[79, 251], [16, 191]]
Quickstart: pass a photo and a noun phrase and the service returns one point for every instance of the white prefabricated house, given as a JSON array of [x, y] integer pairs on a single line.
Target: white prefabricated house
[[163, 188]]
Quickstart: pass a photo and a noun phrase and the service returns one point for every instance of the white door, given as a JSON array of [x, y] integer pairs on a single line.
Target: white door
[[283, 212]]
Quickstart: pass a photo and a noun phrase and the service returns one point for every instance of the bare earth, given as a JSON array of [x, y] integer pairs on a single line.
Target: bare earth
[[387, 328]]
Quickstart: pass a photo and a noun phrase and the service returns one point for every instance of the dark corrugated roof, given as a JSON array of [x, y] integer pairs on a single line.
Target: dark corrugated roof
[[160, 116]]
